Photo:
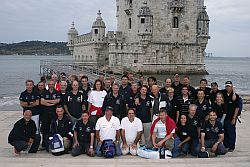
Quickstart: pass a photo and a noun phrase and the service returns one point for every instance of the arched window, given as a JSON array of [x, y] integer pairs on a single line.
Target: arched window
[[175, 22]]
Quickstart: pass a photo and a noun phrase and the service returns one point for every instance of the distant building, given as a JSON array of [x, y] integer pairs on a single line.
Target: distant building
[[152, 37]]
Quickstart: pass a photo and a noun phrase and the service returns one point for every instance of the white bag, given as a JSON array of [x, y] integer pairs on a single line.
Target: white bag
[[151, 154]]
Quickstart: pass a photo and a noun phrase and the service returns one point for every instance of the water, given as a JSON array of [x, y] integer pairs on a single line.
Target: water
[[14, 70]]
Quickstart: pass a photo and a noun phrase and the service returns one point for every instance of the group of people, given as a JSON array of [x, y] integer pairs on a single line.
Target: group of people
[[176, 117]]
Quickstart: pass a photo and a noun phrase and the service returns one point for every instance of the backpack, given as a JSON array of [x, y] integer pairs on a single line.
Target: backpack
[[240, 103], [56, 144], [108, 148]]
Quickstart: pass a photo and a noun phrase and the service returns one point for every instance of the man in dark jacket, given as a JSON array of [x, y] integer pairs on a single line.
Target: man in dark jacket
[[62, 125], [23, 134]]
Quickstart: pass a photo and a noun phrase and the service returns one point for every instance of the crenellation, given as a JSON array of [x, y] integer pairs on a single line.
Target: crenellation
[[167, 36]]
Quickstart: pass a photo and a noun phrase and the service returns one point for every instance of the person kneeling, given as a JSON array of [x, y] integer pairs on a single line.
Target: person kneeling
[[131, 133], [163, 131], [23, 135], [84, 133], [212, 136], [61, 126], [108, 134]]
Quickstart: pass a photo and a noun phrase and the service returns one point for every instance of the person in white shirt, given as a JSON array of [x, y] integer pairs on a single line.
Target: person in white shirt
[[131, 133], [95, 100], [163, 131], [108, 127]]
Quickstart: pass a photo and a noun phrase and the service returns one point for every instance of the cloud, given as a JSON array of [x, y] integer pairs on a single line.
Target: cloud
[[49, 20]]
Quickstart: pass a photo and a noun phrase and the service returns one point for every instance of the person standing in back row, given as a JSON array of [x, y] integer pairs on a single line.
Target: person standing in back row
[[231, 102], [74, 103]]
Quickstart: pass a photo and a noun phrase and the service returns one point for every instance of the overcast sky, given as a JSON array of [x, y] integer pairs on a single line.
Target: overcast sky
[[49, 20]]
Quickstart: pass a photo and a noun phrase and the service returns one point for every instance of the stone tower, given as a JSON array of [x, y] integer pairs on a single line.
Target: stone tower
[[153, 36], [72, 34]]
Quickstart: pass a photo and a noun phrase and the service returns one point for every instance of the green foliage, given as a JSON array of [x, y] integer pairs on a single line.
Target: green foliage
[[34, 47]]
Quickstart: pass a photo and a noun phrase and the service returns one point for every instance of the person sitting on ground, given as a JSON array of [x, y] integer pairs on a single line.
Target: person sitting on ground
[[62, 125], [23, 135], [131, 133], [84, 133], [212, 135], [163, 131], [182, 141], [108, 127]]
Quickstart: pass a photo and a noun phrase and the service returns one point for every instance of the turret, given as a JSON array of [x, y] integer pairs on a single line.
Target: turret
[[72, 34], [203, 28], [98, 29], [145, 24]]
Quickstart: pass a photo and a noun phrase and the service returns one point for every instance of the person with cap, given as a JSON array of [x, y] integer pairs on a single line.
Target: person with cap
[[131, 133], [231, 102], [84, 136], [213, 92], [108, 127], [212, 135], [62, 125], [23, 135], [177, 85]]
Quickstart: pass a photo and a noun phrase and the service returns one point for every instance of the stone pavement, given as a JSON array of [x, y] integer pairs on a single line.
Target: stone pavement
[[240, 157]]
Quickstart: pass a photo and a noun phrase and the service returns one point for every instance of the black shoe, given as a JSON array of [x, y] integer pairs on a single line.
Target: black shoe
[[230, 150]]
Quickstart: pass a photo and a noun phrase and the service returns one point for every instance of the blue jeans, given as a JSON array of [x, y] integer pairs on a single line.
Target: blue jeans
[[195, 147], [118, 151], [221, 150], [230, 134], [178, 150]]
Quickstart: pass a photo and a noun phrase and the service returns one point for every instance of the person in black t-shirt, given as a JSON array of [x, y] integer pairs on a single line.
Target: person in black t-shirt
[[213, 92], [212, 135], [171, 104], [195, 126], [74, 103], [62, 125], [29, 100], [63, 92], [177, 85], [84, 132], [168, 83], [49, 99], [144, 112], [231, 101], [203, 86], [181, 142], [85, 89], [115, 100], [23, 135], [219, 107], [203, 106]]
